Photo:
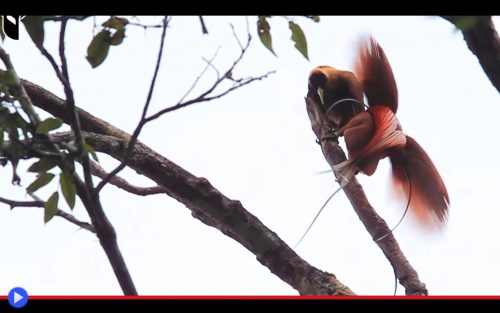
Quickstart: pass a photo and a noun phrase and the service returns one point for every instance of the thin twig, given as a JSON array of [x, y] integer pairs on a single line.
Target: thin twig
[[143, 120], [206, 96], [70, 107], [236, 36], [72, 219], [204, 29], [40, 204], [209, 64], [206, 99], [144, 25], [52, 62], [24, 99], [121, 183], [27, 204]]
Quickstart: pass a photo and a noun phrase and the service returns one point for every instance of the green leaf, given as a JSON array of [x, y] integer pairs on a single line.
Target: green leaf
[[116, 22], [51, 207], [99, 48], [21, 123], [42, 180], [58, 18], [68, 188], [464, 23], [264, 31], [89, 149], [49, 124], [117, 37], [43, 165], [313, 17], [34, 27], [299, 38]]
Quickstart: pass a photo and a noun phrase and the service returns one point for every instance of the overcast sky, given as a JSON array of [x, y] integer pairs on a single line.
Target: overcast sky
[[256, 145]]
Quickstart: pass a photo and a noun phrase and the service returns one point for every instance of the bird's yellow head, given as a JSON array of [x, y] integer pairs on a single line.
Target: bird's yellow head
[[328, 85]]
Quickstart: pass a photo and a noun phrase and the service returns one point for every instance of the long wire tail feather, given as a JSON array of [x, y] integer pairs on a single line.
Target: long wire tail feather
[[408, 181], [319, 212]]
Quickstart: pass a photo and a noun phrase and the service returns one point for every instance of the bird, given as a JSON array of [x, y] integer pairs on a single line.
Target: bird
[[372, 132]]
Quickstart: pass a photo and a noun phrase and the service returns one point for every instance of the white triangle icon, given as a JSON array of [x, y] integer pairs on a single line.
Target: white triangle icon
[[17, 297]]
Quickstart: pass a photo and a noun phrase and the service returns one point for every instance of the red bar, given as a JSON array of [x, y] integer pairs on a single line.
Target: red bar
[[74, 297]]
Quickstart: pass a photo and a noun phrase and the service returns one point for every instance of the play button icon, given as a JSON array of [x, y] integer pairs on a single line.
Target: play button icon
[[18, 297]]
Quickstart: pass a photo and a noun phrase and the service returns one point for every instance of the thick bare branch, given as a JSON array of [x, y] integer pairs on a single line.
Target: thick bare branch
[[374, 224], [229, 216], [205, 202], [482, 39]]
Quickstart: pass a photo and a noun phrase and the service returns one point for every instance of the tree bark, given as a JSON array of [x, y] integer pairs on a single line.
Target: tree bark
[[373, 223], [482, 39], [205, 202]]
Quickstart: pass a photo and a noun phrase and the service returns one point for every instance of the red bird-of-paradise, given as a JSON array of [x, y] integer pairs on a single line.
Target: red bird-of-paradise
[[375, 133]]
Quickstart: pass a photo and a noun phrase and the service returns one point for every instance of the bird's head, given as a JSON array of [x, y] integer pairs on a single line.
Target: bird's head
[[328, 85]]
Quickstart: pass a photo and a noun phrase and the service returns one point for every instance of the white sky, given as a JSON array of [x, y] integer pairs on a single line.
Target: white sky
[[256, 145]]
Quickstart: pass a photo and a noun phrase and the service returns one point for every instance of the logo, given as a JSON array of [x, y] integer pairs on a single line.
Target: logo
[[10, 25]]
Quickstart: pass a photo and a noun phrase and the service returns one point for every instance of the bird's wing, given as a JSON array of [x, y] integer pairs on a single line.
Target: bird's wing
[[374, 71]]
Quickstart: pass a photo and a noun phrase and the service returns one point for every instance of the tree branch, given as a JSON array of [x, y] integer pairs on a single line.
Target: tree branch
[[205, 202], [229, 216], [107, 237], [482, 39], [143, 120], [374, 224], [40, 204], [208, 95], [204, 29], [121, 183], [85, 189], [19, 90]]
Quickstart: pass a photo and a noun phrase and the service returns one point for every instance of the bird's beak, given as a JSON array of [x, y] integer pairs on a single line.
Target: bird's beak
[[321, 95]]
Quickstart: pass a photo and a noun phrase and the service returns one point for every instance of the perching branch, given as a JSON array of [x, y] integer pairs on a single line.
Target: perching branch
[[40, 204], [205, 202], [374, 224], [482, 39]]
